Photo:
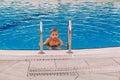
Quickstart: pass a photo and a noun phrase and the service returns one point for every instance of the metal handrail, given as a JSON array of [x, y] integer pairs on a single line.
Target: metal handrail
[[69, 36], [41, 38]]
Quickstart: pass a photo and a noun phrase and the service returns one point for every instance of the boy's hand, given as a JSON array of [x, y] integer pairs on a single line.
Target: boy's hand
[[63, 45], [40, 44]]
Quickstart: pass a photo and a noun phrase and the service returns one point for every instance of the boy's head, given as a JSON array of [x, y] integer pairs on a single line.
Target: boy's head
[[54, 33]]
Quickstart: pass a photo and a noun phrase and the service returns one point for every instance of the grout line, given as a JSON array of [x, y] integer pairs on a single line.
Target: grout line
[[115, 61], [9, 66], [86, 62]]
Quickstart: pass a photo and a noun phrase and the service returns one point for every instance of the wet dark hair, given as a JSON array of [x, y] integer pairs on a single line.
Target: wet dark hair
[[54, 30]]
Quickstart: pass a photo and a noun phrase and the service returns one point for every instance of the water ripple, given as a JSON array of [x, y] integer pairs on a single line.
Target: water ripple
[[94, 24]]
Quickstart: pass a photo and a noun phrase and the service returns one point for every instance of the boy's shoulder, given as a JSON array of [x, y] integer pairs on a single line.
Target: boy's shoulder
[[48, 39]]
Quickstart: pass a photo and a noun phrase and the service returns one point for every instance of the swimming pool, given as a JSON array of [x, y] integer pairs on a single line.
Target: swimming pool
[[94, 24]]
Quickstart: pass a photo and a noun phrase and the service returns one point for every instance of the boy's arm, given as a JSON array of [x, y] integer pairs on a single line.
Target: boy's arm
[[46, 42], [61, 43]]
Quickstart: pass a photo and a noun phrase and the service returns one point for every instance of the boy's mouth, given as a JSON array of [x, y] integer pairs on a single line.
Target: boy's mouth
[[54, 38]]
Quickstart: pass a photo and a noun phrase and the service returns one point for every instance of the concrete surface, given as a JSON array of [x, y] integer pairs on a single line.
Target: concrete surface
[[87, 64]]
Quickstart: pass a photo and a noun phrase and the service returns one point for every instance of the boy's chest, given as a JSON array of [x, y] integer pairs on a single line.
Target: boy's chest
[[54, 42]]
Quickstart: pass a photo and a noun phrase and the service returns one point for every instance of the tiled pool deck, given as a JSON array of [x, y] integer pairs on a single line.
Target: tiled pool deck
[[87, 64]]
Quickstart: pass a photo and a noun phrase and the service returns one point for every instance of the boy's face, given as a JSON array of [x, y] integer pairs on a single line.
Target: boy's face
[[54, 34]]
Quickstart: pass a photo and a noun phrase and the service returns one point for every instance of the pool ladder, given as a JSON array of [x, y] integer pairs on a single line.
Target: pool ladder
[[69, 37]]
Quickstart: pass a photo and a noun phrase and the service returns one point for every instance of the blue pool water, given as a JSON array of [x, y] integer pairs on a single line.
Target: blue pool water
[[94, 24]]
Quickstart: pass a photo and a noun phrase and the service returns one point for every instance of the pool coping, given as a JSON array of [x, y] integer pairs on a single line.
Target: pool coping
[[110, 50]]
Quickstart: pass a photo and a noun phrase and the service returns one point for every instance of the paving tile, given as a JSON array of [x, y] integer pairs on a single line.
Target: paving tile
[[115, 74], [70, 63], [96, 77], [6, 64], [11, 77], [18, 70], [42, 64], [100, 62]]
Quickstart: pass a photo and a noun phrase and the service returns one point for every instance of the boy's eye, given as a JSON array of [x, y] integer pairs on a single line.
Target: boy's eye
[[54, 34]]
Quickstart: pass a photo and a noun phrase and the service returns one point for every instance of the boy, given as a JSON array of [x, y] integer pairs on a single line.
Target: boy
[[53, 41]]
